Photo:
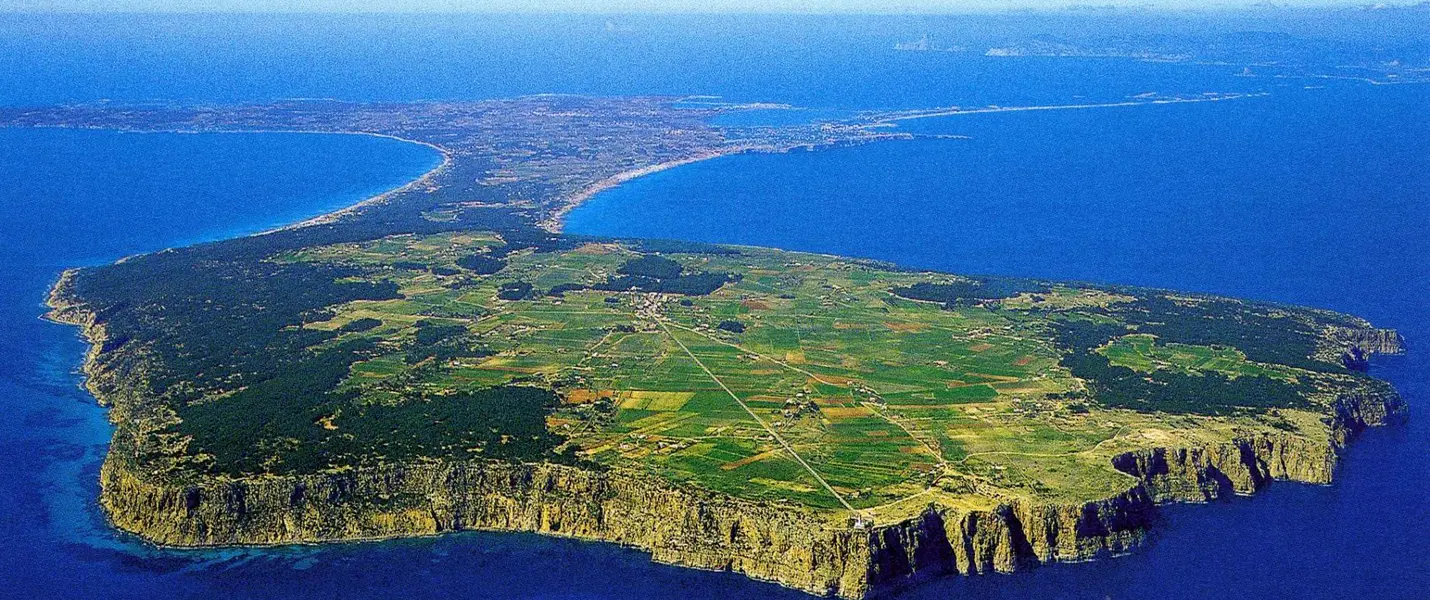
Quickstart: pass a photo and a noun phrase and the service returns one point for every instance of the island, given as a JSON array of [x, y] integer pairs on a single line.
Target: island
[[1276, 56], [441, 359]]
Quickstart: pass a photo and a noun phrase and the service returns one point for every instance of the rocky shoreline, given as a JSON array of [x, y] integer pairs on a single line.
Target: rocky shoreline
[[793, 546]]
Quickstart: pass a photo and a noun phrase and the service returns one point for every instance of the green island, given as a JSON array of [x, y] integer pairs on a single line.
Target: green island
[[442, 359]]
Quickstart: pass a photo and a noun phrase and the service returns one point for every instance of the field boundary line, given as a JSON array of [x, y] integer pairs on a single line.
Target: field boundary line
[[892, 421], [756, 417]]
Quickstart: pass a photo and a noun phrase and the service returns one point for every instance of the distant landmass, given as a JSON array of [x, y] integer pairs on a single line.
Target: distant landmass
[[441, 358], [924, 44], [1276, 54]]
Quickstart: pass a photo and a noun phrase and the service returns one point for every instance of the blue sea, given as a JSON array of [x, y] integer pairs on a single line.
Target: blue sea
[[1313, 194]]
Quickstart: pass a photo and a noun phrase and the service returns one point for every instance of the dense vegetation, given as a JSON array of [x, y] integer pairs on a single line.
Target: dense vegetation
[[377, 351], [698, 284], [218, 323], [1261, 333], [241, 431], [481, 264], [248, 432], [962, 293], [431, 332], [363, 324], [507, 422], [226, 316], [731, 326], [1165, 391], [536, 240], [516, 290], [651, 266], [652, 273]]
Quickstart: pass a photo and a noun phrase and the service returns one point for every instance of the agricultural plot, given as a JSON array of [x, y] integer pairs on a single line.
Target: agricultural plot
[[808, 380], [1142, 352]]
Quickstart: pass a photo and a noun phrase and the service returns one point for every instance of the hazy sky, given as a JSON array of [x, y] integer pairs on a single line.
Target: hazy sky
[[615, 6]]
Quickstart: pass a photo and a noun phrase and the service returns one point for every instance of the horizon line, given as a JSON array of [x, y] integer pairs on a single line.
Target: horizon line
[[1069, 10]]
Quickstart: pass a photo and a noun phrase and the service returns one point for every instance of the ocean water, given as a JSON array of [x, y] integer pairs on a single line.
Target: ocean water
[[1307, 196], [83, 197], [80, 197], [1312, 196], [826, 62]]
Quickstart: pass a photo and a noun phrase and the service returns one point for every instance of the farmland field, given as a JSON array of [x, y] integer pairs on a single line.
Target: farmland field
[[809, 380]]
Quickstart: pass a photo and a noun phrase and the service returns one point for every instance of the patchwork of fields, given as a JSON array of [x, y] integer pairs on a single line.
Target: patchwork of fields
[[802, 379]]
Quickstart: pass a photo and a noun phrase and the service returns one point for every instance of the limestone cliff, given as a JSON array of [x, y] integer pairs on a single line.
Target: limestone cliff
[[1012, 536], [681, 526], [1369, 340], [1249, 464], [1020, 534], [1353, 345], [815, 551], [784, 544]]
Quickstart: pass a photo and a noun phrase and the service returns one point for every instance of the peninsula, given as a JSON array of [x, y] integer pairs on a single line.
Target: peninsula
[[441, 359]]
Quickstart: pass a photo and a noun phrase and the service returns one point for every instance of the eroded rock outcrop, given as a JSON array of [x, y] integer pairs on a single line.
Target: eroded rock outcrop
[[1012, 536], [1370, 340], [791, 545], [1202, 474], [1353, 346], [785, 544]]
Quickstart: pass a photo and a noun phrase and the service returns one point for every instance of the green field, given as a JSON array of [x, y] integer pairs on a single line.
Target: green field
[[803, 379], [446, 322], [1142, 352]]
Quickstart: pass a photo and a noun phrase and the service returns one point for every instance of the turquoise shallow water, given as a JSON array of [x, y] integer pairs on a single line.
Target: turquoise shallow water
[[78, 197], [1308, 196]]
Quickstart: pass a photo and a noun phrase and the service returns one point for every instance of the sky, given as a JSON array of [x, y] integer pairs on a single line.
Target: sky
[[624, 6]]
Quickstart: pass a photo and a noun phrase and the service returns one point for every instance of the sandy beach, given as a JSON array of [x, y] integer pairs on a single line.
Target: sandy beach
[[556, 220]]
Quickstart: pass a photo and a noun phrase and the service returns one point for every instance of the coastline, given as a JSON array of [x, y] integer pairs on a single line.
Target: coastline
[[948, 112], [425, 178], [556, 221], [1192, 466], [808, 550]]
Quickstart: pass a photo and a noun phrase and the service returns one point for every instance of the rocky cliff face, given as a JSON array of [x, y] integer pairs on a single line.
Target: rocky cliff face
[[784, 544], [790, 545], [1247, 465], [1369, 340], [1352, 346], [1010, 537], [1020, 534]]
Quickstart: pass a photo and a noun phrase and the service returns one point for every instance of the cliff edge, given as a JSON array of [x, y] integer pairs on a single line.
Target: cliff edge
[[820, 552]]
